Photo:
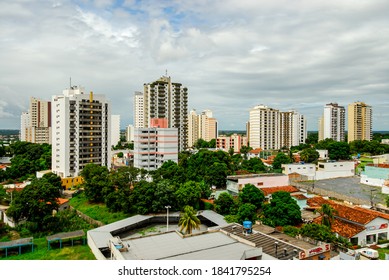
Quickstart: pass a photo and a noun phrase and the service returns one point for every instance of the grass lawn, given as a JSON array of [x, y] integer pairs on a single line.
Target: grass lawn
[[41, 252], [97, 211], [382, 252]]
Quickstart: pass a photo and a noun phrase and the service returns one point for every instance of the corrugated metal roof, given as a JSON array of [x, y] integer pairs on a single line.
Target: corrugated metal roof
[[213, 217]]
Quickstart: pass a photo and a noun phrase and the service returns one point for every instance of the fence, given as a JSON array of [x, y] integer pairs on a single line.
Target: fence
[[87, 218]]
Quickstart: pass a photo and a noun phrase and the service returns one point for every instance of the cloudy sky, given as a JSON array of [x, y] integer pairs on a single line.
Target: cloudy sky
[[231, 54]]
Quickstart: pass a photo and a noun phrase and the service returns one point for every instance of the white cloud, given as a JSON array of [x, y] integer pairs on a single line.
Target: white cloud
[[231, 54]]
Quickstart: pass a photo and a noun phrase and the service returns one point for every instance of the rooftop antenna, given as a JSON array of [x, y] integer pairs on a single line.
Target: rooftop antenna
[[166, 72], [70, 83]]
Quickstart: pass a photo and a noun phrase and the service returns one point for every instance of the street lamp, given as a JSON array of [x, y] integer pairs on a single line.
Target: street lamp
[[372, 197], [167, 217], [276, 245]]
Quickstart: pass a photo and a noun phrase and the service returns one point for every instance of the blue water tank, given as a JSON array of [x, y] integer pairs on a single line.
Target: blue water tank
[[247, 225]]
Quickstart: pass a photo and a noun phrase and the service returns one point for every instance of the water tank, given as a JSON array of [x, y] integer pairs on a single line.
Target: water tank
[[247, 225]]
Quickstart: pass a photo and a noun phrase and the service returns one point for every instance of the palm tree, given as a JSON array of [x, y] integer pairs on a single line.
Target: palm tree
[[327, 213], [188, 220]]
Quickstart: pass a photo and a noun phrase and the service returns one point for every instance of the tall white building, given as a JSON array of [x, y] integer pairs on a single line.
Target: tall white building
[[115, 129], [264, 128], [139, 120], [24, 126], [333, 122], [202, 126], [166, 99], [81, 131], [130, 133], [271, 129], [36, 124]]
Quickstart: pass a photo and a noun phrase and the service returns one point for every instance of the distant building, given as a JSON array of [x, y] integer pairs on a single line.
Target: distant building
[[155, 145], [236, 183], [115, 129], [81, 131], [271, 129], [332, 124], [306, 169], [202, 126], [360, 116], [139, 120], [164, 99], [130, 133], [36, 123], [234, 141]]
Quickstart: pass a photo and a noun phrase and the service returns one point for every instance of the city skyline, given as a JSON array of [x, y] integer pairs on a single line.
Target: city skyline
[[232, 55]]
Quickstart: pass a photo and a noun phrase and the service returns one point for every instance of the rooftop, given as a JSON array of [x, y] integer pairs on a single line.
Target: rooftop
[[270, 190]]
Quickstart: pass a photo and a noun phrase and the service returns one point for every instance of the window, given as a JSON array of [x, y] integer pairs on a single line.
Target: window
[[370, 239], [383, 236]]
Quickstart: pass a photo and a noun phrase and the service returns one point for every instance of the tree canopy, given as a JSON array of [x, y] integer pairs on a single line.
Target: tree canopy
[[280, 159], [251, 194], [282, 210]]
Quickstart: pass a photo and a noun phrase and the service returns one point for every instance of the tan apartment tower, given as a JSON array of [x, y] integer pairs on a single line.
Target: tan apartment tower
[[359, 121], [202, 126], [36, 123]]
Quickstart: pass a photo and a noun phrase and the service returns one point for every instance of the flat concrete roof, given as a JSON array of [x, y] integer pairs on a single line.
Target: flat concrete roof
[[172, 246]]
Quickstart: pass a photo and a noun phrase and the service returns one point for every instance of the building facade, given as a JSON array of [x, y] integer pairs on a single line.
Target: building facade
[[359, 121], [153, 146], [202, 126], [130, 133], [234, 141], [115, 129], [36, 123], [270, 129], [81, 131], [166, 99], [139, 120], [332, 124]]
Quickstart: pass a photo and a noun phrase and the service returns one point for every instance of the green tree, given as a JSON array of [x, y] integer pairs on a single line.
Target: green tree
[[216, 174], [387, 200], [224, 203], [96, 182], [247, 211], [251, 194], [245, 150], [280, 158], [339, 151], [312, 137], [309, 155], [317, 232], [282, 210], [253, 165], [188, 193], [35, 203], [327, 214], [323, 144], [188, 220]]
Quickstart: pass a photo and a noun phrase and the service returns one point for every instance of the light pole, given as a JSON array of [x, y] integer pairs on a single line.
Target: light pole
[[372, 197], [167, 217]]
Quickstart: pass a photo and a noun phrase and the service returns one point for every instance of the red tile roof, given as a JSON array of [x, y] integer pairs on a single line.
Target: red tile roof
[[353, 214], [255, 151], [271, 190], [342, 227]]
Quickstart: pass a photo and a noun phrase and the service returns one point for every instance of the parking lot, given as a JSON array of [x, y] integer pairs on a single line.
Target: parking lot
[[351, 187]]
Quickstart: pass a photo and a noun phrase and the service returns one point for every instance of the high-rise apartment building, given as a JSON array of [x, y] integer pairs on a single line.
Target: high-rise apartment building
[[36, 124], [130, 133], [202, 126], [115, 129], [333, 121], [270, 129], [139, 120], [264, 128], [81, 131], [166, 99], [359, 121]]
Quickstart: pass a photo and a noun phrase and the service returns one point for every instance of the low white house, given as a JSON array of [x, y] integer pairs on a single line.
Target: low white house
[[235, 184], [334, 169], [323, 154], [377, 175], [306, 169]]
